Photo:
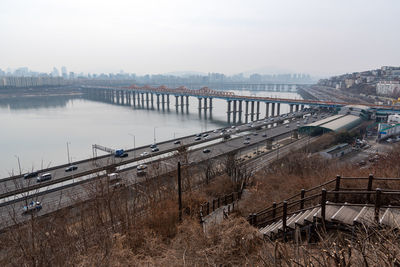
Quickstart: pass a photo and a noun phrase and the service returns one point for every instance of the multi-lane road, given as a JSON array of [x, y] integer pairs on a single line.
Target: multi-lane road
[[17, 184], [62, 195]]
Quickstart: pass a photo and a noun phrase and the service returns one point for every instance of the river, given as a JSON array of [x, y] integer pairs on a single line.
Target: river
[[35, 130]]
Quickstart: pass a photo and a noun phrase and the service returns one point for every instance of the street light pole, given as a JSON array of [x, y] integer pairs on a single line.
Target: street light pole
[[134, 144], [68, 152], [154, 135], [19, 164]]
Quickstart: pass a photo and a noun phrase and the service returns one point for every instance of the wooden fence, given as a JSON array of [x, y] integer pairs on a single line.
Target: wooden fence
[[337, 192]]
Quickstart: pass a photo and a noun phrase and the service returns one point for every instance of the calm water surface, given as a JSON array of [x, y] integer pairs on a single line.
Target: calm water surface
[[36, 130]]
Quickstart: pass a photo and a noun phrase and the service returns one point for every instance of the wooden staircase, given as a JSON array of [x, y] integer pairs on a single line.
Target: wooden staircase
[[300, 214]]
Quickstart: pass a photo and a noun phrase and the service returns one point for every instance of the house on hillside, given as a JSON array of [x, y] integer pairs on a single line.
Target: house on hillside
[[336, 151]]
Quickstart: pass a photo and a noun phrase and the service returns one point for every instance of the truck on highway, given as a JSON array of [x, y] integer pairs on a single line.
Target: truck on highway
[[120, 153]]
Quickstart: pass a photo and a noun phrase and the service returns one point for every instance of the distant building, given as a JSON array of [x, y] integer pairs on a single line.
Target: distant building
[[349, 82], [394, 118], [388, 88], [336, 151]]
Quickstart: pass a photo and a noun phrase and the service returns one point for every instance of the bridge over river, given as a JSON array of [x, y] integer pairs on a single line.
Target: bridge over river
[[146, 96]]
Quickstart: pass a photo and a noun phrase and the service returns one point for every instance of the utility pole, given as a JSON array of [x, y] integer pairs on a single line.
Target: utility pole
[[179, 191], [19, 165], [154, 135], [68, 153]]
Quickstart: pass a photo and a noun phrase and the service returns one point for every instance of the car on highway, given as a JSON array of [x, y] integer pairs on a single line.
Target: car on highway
[[33, 206], [264, 135], [206, 150], [205, 135], [246, 142], [248, 138], [198, 138], [155, 149], [153, 145], [215, 131], [71, 168], [31, 175], [198, 135], [177, 142], [255, 134], [287, 125], [141, 169], [144, 154], [43, 177]]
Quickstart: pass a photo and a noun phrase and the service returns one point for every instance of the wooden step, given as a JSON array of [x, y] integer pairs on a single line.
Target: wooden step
[[292, 223], [270, 230], [391, 218], [278, 226], [266, 228], [300, 220], [366, 216], [310, 217], [290, 219], [330, 210], [346, 214]]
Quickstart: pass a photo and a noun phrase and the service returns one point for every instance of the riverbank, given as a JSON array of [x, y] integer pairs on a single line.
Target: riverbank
[[40, 91]]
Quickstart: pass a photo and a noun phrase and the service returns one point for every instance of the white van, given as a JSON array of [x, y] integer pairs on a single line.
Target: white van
[[43, 177]]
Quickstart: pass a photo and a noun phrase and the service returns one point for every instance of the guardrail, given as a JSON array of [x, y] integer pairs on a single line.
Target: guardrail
[[139, 148]]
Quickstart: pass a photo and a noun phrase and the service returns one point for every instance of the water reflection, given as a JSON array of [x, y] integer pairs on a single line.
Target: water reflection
[[36, 102]]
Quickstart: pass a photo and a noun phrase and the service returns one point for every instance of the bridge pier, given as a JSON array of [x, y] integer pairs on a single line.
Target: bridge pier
[[295, 134], [182, 102], [301, 107], [269, 144], [126, 97], [163, 101], [205, 105], [119, 97], [142, 95], [234, 111], [291, 108], [152, 100], [252, 111], [247, 111], [273, 109], [147, 100], [229, 111], [240, 111], [258, 110], [266, 109], [187, 102], [167, 101], [297, 108], [158, 101], [176, 102], [278, 109], [199, 103]]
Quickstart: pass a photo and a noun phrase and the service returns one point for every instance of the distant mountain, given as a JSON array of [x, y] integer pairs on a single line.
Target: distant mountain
[[268, 70]]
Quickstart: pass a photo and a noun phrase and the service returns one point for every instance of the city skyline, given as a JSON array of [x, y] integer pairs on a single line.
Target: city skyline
[[315, 37]]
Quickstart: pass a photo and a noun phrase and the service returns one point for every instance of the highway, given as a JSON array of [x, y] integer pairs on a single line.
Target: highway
[[64, 197], [17, 184]]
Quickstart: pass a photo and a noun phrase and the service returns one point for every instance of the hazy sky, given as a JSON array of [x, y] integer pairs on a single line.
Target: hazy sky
[[229, 36]]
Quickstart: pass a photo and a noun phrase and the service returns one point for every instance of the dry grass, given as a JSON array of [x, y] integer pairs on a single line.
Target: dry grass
[[124, 229]]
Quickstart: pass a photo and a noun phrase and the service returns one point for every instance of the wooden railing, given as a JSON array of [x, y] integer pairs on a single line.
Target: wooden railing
[[210, 206], [335, 192]]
